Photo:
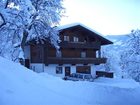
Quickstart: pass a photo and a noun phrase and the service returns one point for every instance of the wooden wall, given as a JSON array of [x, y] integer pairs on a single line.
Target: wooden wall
[[72, 53], [82, 36], [40, 53], [37, 53]]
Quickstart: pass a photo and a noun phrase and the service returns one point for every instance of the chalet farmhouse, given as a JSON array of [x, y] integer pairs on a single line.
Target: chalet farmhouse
[[80, 52]]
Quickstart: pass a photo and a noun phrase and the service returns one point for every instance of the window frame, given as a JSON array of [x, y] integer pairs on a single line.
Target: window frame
[[66, 38], [59, 70], [75, 39]]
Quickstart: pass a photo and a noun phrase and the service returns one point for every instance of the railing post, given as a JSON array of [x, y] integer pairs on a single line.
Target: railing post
[[99, 53]]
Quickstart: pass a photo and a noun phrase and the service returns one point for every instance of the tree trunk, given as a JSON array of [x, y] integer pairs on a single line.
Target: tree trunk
[[23, 42]]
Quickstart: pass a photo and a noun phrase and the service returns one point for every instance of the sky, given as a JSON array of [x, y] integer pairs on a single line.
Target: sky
[[108, 17]]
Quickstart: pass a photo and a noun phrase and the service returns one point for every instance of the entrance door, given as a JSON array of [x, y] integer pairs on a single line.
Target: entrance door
[[67, 71], [27, 63]]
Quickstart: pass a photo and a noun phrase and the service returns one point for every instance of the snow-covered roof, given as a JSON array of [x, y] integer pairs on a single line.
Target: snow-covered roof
[[76, 24], [63, 27]]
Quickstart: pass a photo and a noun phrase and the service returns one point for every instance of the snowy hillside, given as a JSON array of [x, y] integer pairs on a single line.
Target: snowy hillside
[[113, 53], [117, 39], [20, 86], [118, 44]]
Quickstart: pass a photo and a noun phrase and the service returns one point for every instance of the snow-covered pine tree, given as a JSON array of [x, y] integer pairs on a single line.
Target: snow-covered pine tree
[[23, 20], [131, 55]]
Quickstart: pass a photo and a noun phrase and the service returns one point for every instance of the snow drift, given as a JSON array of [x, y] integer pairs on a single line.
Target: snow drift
[[20, 86]]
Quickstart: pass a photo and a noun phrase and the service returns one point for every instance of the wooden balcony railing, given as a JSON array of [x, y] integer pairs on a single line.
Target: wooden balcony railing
[[93, 45], [53, 60]]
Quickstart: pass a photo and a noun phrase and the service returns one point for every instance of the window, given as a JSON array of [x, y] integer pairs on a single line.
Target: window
[[59, 70], [75, 39], [83, 54], [66, 38], [83, 69]]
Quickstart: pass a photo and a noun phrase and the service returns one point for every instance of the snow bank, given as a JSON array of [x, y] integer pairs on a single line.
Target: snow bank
[[121, 83], [20, 86]]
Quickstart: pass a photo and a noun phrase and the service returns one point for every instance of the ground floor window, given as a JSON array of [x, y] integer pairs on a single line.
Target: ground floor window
[[83, 69], [59, 70]]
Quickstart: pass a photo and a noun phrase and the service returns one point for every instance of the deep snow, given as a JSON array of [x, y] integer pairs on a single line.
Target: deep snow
[[20, 86]]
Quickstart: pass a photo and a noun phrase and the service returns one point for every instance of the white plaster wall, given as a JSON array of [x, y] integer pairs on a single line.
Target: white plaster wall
[[37, 67], [93, 70], [27, 52], [51, 69]]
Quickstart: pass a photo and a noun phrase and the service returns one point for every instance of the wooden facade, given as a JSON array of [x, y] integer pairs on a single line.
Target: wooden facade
[[79, 45], [48, 55]]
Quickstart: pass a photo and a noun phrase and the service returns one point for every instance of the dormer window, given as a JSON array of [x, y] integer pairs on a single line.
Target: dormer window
[[66, 38], [75, 39]]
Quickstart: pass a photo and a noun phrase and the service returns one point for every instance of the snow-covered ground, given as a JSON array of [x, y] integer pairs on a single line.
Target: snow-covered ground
[[20, 86]]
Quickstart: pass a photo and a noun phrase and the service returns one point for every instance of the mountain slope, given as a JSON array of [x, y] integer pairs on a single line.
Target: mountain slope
[[117, 39], [20, 86]]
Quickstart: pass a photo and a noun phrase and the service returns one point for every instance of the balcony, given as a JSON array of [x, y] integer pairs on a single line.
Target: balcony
[[53, 60], [93, 45]]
